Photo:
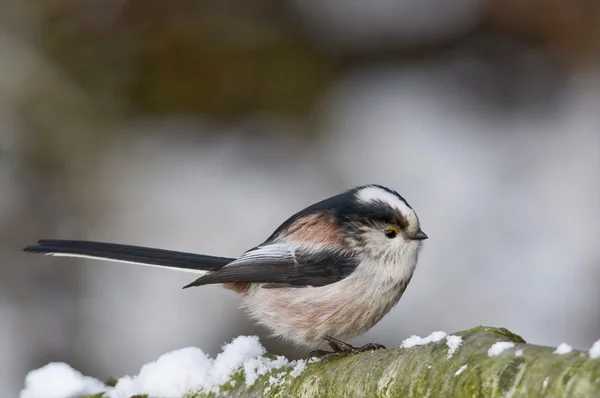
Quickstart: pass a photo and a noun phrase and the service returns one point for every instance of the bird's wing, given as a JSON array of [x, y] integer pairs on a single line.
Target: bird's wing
[[279, 265]]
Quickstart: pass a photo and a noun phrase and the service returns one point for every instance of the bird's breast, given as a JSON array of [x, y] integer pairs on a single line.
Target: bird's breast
[[342, 309]]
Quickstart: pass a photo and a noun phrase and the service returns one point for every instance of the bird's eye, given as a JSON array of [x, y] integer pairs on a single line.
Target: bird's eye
[[391, 232]]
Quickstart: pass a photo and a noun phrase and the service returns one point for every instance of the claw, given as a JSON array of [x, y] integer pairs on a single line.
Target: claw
[[317, 354], [342, 349]]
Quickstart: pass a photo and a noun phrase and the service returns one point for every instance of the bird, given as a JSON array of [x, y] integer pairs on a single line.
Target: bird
[[328, 273]]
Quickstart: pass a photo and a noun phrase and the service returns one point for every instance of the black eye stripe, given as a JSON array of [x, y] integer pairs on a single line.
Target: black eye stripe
[[402, 221], [383, 213]]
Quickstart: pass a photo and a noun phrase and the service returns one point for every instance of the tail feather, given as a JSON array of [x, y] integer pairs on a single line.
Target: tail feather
[[190, 262]]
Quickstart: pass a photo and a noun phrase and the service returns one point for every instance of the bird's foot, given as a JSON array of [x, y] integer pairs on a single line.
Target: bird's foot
[[318, 354], [342, 349]]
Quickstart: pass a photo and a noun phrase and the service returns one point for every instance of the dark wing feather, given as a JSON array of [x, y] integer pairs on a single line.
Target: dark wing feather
[[280, 266]]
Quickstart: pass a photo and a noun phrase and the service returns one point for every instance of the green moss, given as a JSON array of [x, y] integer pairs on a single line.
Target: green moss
[[200, 395], [472, 386], [510, 335], [515, 338], [426, 371], [572, 370], [234, 382], [111, 382], [309, 387], [509, 374]]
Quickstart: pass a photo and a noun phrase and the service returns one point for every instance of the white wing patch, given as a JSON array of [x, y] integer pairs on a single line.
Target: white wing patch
[[375, 194], [192, 271], [273, 252]]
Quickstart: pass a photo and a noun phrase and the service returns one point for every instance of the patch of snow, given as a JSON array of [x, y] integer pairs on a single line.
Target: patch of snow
[[413, 341], [429, 367], [189, 370], [298, 369], [595, 350], [459, 371], [59, 380], [563, 348], [256, 367], [499, 347], [545, 383], [274, 381], [235, 354], [519, 353], [453, 342], [174, 374]]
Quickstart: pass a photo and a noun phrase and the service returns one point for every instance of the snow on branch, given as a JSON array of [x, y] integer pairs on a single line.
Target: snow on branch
[[482, 361]]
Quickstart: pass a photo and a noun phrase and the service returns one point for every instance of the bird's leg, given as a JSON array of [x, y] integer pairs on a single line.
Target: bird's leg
[[338, 345], [318, 354], [341, 349]]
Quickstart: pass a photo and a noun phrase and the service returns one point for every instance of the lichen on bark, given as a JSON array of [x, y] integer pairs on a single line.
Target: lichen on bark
[[524, 370]]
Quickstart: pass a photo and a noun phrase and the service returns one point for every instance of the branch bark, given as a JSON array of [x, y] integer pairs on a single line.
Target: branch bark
[[524, 370], [426, 371]]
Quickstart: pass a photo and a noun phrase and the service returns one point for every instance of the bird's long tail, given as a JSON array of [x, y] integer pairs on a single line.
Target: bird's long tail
[[187, 262]]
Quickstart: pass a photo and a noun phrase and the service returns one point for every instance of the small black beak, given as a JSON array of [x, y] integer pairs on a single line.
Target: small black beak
[[420, 235]]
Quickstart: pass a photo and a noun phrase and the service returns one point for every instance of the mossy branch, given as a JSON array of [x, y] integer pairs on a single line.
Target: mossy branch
[[524, 370]]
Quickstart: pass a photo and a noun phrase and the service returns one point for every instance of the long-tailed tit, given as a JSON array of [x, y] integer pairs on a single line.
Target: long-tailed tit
[[331, 271]]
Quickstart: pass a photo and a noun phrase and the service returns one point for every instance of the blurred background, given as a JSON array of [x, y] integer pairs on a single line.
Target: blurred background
[[201, 125]]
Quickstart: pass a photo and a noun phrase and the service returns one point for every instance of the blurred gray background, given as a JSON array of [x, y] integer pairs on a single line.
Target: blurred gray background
[[200, 126]]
